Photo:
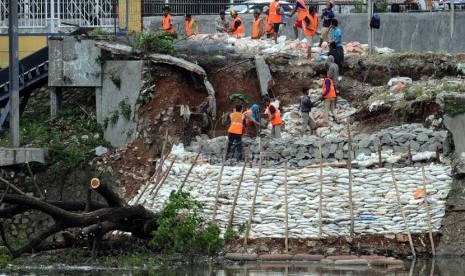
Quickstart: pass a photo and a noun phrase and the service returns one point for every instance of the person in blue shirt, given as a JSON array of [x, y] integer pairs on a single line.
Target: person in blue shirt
[[327, 15], [336, 37]]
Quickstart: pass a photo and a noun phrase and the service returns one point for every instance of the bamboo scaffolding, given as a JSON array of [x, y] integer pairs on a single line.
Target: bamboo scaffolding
[[403, 214], [231, 216], [286, 210], [218, 185], [252, 208], [433, 251]]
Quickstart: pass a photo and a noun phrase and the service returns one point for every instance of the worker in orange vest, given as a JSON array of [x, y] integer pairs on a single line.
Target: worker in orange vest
[[257, 27], [274, 117], [310, 25], [167, 20], [251, 121], [328, 95], [237, 26], [191, 26], [268, 25], [301, 10], [276, 18], [235, 131]]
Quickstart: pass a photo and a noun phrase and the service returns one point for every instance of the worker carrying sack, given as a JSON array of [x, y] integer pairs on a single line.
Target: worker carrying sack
[[375, 21]]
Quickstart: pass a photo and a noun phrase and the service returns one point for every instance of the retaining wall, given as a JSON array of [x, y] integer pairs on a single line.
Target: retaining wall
[[375, 206], [299, 152], [399, 31]]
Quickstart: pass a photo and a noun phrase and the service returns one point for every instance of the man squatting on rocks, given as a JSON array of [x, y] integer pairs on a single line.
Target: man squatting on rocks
[[274, 117]]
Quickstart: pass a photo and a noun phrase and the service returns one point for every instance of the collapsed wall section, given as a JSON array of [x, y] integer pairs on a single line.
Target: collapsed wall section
[[376, 209]]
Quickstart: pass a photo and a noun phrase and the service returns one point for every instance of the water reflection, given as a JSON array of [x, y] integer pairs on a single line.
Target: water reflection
[[419, 267]]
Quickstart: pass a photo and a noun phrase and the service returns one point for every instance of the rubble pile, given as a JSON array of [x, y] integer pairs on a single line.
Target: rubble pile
[[296, 47], [375, 203]]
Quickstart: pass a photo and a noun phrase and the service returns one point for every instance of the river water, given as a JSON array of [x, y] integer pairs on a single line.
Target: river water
[[441, 266]]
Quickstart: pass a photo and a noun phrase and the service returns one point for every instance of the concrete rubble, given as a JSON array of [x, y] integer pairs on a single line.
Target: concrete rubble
[[284, 46]]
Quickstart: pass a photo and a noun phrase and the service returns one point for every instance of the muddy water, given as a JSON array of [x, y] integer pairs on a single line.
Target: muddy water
[[420, 267]]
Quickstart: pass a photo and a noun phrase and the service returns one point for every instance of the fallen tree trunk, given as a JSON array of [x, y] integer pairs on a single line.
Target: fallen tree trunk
[[98, 219]]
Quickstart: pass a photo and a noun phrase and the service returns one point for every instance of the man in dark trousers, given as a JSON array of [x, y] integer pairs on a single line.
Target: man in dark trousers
[[306, 106], [235, 131]]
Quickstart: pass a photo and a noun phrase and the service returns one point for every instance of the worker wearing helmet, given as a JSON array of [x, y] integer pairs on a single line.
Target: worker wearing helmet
[[237, 26]]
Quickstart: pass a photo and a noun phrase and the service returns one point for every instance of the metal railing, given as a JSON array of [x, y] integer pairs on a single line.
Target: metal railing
[[206, 7], [46, 13]]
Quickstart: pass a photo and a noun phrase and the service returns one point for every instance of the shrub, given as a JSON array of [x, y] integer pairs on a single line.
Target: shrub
[[183, 230], [150, 42]]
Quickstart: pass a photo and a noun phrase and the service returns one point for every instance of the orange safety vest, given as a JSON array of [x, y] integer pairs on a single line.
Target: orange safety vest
[[277, 116], [191, 26], [301, 12], [313, 25], [274, 16], [332, 91], [167, 23], [256, 28], [240, 30], [268, 28], [236, 126]]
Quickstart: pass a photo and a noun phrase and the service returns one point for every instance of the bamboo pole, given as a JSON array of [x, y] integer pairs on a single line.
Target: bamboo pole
[[349, 166], [163, 179], [254, 199], [16, 189], [157, 169], [380, 160], [403, 214], [34, 180], [231, 216], [286, 230], [433, 251], [189, 171], [218, 185], [409, 154], [320, 211], [162, 157]]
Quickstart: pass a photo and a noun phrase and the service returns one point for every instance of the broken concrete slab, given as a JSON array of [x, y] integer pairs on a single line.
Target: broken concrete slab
[[263, 73], [13, 156]]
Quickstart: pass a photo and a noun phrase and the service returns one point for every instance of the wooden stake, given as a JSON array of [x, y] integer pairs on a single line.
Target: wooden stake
[[163, 179], [218, 185], [286, 230], [320, 211], [158, 169], [433, 251], [231, 216], [16, 189], [34, 180], [349, 166], [163, 157], [438, 158], [252, 208], [380, 160], [189, 171], [403, 214], [409, 154]]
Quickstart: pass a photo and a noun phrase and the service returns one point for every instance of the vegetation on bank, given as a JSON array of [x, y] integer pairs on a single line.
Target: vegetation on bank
[[70, 139], [153, 42]]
